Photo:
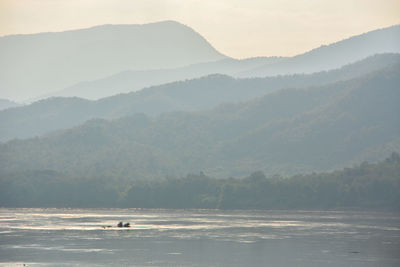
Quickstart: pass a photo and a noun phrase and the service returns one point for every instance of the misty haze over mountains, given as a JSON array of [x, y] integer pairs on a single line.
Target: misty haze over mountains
[[110, 59], [192, 95], [197, 110], [335, 55], [292, 130], [51, 61], [128, 81], [151, 145]]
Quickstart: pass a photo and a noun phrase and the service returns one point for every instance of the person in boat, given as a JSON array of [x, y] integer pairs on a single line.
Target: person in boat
[[121, 224]]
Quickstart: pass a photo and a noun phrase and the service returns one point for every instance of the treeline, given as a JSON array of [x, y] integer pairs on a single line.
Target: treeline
[[367, 186]]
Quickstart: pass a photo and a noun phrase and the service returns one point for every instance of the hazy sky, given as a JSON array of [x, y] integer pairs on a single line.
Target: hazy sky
[[237, 28]]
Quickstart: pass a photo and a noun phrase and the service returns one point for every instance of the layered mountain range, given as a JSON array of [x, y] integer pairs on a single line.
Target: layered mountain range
[[110, 59], [288, 131], [191, 95], [178, 106], [49, 62]]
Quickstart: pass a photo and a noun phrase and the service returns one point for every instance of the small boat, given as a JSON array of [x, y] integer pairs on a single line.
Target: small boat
[[119, 225]]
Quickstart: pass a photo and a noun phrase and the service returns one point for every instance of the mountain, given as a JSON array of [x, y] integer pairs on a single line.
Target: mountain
[[5, 104], [198, 94], [324, 58], [111, 59], [128, 81], [49, 62], [289, 131], [335, 55]]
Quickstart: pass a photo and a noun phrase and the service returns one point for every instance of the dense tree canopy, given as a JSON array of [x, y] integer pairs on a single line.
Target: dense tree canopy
[[366, 186], [287, 132]]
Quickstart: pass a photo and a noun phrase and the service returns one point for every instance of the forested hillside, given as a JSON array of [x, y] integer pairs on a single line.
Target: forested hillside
[[366, 186], [199, 94], [289, 131]]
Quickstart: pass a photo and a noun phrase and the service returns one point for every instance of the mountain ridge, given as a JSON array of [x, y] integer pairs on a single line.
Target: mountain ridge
[[326, 57], [289, 131], [89, 61], [196, 94], [52, 61], [346, 51], [128, 81]]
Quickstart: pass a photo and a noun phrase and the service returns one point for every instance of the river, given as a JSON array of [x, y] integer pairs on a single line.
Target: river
[[78, 237]]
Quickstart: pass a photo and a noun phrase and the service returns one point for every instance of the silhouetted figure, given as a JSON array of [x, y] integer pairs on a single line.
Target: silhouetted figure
[[121, 224]]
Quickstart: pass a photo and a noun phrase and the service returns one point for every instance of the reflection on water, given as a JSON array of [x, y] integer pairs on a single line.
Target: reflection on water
[[198, 238]]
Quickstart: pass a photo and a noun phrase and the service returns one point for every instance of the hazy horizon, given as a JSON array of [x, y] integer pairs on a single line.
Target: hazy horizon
[[222, 52], [271, 28]]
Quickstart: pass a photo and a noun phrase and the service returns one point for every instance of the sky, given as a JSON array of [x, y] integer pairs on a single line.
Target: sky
[[237, 28]]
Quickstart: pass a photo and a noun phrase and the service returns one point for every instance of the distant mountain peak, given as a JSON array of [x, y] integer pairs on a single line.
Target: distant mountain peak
[[51, 62]]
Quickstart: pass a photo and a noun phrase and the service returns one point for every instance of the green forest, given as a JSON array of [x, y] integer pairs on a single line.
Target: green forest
[[365, 186], [214, 142], [287, 132]]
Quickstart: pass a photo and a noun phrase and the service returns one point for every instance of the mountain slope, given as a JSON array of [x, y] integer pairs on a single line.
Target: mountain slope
[[358, 119], [61, 113], [335, 55], [289, 131], [128, 81], [52, 61], [323, 58]]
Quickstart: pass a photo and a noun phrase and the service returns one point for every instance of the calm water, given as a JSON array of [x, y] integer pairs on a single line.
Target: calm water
[[75, 237]]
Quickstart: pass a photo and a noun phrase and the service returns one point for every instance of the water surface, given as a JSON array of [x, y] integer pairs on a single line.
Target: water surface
[[75, 237]]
